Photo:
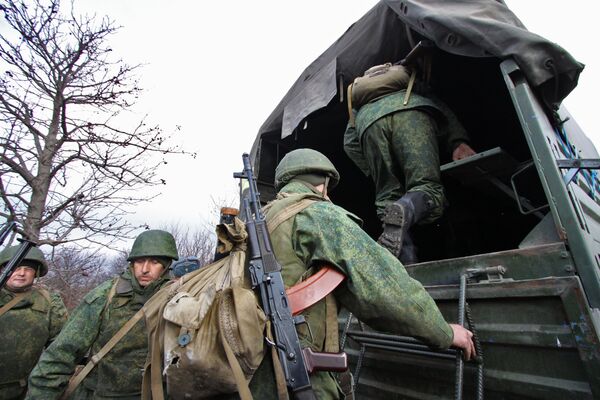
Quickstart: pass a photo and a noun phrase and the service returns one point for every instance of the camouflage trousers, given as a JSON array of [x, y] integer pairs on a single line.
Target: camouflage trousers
[[402, 154]]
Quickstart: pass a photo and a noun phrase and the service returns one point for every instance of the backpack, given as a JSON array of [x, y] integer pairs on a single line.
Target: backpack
[[206, 332], [377, 82]]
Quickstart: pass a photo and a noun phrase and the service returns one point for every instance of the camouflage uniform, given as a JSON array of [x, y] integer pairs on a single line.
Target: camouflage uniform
[[119, 373], [25, 330], [377, 290], [396, 145]]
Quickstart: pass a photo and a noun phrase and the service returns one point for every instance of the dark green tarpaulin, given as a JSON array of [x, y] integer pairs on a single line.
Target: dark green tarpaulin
[[483, 28]]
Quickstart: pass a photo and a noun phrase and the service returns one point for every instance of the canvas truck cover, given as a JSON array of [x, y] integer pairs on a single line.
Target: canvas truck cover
[[483, 28]]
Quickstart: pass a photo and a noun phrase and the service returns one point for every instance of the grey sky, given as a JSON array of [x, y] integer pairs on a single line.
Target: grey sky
[[218, 69]]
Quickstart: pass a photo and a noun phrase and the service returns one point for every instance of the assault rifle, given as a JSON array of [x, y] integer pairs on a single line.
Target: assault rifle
[[16, 260], [265, 274], [5, 231]]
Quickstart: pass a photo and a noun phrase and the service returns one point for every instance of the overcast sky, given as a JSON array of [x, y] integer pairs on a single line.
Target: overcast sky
[[218, 69]]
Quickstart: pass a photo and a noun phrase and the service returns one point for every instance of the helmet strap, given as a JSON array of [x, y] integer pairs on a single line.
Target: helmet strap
[[325, 186]]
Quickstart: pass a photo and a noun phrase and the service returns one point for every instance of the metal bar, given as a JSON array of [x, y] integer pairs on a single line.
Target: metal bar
[[574, 165], [345, 332], [376, 335], [579, 163], [461, 321], [571, 174], [428, 353], [478, 348], [392, 345]]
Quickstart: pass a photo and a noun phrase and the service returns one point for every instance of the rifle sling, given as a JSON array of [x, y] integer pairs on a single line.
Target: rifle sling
[[5, 308]]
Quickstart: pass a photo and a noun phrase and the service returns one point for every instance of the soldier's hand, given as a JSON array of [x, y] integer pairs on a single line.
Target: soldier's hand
[[463, 339], [462, 151]]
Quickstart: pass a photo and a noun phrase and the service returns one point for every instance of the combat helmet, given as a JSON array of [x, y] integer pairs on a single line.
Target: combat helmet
[[305, 161], [154, 243], [34, 256]]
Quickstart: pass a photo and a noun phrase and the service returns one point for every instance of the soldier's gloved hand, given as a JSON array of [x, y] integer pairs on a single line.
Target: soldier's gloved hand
[[463, 339], [462, 151]]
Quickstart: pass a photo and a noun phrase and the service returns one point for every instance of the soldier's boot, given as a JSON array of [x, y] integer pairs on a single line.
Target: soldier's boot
[[397, 220]]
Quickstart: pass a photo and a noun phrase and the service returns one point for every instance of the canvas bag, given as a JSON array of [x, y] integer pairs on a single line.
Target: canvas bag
[[376, 82], [191, 321], [208, 327]]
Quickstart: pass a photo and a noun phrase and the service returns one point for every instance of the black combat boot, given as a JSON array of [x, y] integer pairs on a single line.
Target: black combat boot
[[397, 220]]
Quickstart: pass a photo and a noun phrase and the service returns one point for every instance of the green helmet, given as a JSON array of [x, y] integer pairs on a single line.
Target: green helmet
[[34, 256], [302, 162], [154, 243]]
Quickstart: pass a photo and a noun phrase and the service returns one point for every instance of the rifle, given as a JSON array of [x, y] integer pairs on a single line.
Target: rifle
[[424, 47], [5, 231], [16, 260], [265, 274]]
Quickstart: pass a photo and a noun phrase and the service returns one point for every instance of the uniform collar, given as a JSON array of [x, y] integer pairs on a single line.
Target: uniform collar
[[296, 186], [127, 283]]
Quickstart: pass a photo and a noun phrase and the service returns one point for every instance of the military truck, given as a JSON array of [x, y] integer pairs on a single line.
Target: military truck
[[521, 231]]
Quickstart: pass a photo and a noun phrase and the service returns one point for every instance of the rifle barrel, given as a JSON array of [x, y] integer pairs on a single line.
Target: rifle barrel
[[6, 229]]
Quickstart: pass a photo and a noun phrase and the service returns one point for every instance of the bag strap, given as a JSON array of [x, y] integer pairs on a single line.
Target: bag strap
[[350, 113], [152, 383], [45, 294], [411, 83], [282, 392], [95, 359], [236, 369], [332, 338], [288, 212], [18, 297], [111, 294], [100, 354]]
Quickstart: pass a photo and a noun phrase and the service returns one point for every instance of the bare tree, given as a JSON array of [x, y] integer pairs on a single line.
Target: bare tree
[[198, 241], [74, 272], [71, 163]]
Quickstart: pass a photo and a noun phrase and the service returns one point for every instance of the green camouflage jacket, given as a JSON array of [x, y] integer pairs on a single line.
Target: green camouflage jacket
[[25, 330], [92, 324], [449, 127], [378, 290]]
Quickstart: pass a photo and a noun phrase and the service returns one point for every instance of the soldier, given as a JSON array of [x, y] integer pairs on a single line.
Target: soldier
[[394, 140], [30, 318], [95, 322], [377, 288]]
